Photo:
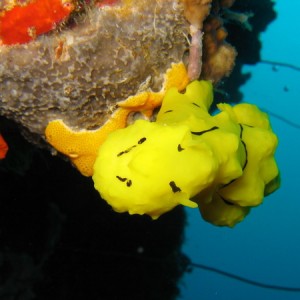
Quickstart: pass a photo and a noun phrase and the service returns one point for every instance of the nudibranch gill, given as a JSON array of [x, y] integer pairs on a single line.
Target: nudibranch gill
[[224, 163]]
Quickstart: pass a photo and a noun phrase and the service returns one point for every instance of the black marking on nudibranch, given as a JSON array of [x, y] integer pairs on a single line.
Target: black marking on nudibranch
[[174, 187], [196, 104], [230, 182], [126, 151], [246, 160], [124, 179], [226, 201], [142, 140], [242, 129], [121, 178], [168, 111], [245, 146], [179, 148], [204, 131]]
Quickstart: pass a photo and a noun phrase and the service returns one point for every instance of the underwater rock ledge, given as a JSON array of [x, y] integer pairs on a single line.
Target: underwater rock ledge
[[80, 74]]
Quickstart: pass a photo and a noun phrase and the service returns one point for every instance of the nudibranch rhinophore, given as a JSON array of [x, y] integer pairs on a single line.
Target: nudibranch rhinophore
[[224, 163]]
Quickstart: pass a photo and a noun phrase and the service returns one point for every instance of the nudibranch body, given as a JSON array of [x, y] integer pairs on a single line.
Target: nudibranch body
[[189, 157], [139, 174]]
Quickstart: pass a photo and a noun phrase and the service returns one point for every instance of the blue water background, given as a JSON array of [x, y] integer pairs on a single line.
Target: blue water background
[[266, 246]]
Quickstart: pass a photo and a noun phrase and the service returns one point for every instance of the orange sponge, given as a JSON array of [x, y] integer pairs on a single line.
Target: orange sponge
[[23, 23]]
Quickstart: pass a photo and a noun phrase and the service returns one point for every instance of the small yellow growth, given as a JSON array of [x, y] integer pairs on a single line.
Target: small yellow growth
[[224, 164], [82, 146], [145, 101]]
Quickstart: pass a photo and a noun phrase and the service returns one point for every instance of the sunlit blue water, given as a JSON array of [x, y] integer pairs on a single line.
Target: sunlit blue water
[[266, 246]]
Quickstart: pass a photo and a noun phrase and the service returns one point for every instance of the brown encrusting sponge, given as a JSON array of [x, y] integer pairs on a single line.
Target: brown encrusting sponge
[[78, 75], [108, 59]]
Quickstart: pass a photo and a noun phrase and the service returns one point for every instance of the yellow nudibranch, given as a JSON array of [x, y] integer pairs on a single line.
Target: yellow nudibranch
[[224, 163]]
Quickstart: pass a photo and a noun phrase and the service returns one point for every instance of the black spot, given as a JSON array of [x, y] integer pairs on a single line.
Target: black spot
[[204, 131], [168, 111], [142, 140], [121, 178], [195, 104], [174, 187], [129, 183], [126, 151], [121, 153], [179, 148]]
